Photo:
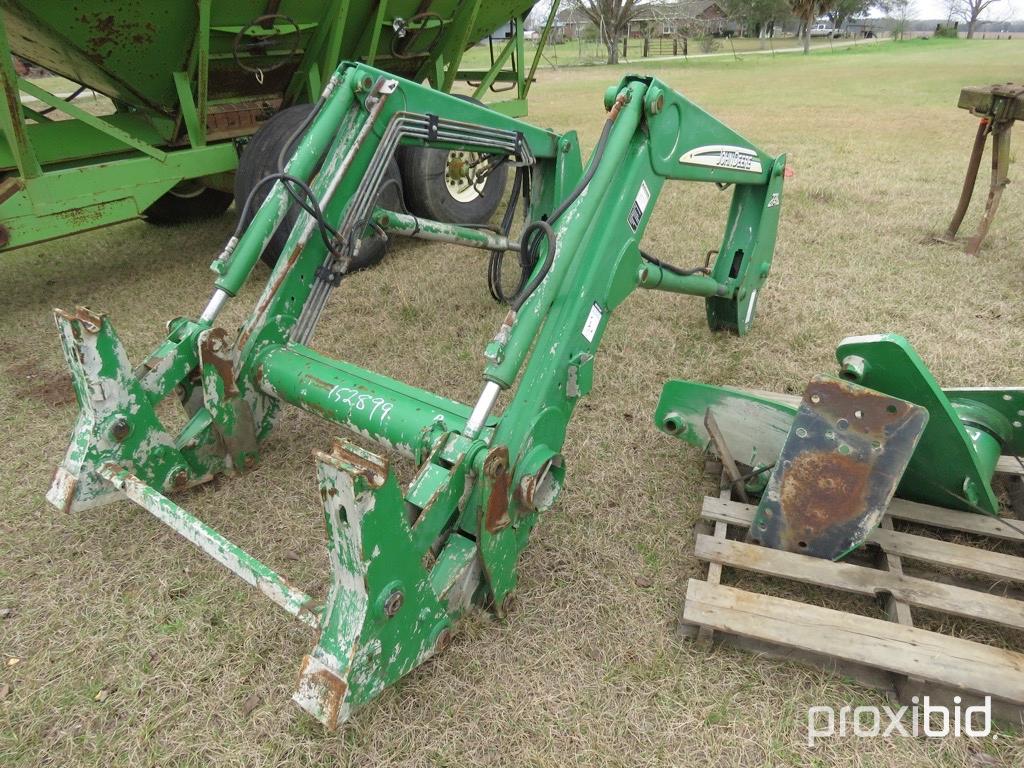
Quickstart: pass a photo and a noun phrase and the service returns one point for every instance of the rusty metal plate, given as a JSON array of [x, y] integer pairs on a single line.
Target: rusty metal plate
[[838, 469]]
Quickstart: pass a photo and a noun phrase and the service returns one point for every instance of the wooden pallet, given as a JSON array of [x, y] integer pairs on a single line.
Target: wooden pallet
[[897, 567]]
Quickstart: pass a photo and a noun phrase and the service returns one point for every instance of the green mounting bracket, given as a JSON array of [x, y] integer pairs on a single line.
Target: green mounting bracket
[[956, 458], [953, 464], [754, 427]]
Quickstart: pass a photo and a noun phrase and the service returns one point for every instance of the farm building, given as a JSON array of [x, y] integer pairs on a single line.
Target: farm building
[[677, 19]]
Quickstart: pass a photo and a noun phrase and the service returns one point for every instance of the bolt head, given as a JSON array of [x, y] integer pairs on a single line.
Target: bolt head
[[444, 639], [507, 603], [121, 429], [394, 603]]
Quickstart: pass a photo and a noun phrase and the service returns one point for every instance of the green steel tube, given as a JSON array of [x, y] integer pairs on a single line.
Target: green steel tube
[[656, 277], [310, 148], [569, 233], [394, 414], [408, 225], [988, 429], [987, 447]]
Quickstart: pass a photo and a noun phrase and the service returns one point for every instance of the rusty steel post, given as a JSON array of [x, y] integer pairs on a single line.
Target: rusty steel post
[[969, 180], [1000, 171]]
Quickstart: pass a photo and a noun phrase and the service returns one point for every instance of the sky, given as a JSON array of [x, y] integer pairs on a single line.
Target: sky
[[930, 9], [937, 9]]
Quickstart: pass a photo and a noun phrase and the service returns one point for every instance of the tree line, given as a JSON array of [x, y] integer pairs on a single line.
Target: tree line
[[759, 17]]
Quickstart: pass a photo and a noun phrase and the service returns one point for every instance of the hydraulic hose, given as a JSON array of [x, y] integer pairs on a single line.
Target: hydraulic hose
[[542, 229]]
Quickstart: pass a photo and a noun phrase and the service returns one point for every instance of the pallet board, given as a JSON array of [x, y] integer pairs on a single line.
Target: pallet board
[[858, 579], [948, 660], [908, 545], [892, 654]]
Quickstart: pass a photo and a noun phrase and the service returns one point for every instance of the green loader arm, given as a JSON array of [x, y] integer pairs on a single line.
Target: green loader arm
[[406, 563]]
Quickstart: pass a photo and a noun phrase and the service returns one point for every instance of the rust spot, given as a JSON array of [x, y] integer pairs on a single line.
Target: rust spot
[[10, 187], [180, 479], [444, 639], [69, 489], [526, 490], [821, 491], [839, 467], [269, 295], [90, 320], [317, 382], [497, 472], [13, 97], [82, 218], [876, 416], [110, 33], [214, 349], [331, 691], [372, 468], [620, 102]]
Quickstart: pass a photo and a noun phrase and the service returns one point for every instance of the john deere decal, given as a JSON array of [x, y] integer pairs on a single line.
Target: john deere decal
[[724, 156]]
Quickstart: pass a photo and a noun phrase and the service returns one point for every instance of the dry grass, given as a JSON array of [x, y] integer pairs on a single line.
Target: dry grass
[[587, 670]]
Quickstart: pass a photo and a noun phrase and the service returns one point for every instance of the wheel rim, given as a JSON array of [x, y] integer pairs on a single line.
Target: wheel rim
[[465, 175], [188, 189]]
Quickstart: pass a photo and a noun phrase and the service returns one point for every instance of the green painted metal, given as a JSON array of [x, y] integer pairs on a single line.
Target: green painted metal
[[70, 109], [396, 223], [754, 427], [952, 465], [12, 119], [184, 77], [954, 461], [406, 419], [405, 563], [654, 276]]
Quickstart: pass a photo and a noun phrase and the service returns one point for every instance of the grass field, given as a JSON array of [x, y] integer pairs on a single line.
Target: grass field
[[110, 605]]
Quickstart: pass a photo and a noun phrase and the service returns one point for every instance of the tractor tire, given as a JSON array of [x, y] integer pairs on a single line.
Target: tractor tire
[[186, 202], [442, 184], [260, 159]]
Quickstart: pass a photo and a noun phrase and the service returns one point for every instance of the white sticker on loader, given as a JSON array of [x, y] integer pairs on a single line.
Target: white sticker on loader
[[593, 321], [723, 156], [643, 197], [750, 307]]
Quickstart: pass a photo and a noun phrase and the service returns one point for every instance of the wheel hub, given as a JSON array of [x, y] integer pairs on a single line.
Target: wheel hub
[[465, 175]]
